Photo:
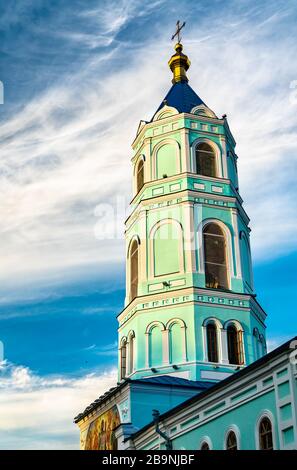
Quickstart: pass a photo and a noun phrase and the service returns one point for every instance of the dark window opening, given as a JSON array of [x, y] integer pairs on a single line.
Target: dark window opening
[[231, 443], [265, 434], [212, 343], [235, 349], [215, 259], [205, 160]]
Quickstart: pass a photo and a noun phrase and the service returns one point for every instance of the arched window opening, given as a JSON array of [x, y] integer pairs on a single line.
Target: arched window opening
[[167, 249], [265, 434], [155, 347], [140, 176], [212, 343], [231, 441], [215, 258], [134, 270], [123, 352], [235, 350], [176, 337], [131, 352], [205, 160], [204, 446]]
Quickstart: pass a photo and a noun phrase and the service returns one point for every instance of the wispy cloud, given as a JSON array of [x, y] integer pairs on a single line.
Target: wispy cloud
[[69, 148], [37, 412]]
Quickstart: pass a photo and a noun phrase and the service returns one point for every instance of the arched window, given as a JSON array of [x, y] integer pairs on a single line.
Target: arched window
[[139, 176], [167, 248], [265, 434], [205, 160], [204, 446], [123, 352], [212, 342], [215, 258], [133, 270], [155, 346], [235, 350], [131, 352], [176, 336], [231, 441]]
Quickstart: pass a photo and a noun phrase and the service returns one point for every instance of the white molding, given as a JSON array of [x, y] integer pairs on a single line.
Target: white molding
[[207, 440], [165, 112]]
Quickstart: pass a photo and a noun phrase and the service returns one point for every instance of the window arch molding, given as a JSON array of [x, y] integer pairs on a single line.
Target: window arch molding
[[153, 325], [265, 414], [157, 147], [218, 156], [239, 329], [152, 233], [230, 252], [206, 440], [149, 328], [203, 110], [165, 112], [168, 327], [232, 428], [128, 265], [219, 328], [140, 159]]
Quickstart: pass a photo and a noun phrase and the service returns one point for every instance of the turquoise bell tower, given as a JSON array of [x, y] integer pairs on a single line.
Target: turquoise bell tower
[[190, 308]]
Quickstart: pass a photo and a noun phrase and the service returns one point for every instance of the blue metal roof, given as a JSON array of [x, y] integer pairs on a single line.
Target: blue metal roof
[[182, 97]]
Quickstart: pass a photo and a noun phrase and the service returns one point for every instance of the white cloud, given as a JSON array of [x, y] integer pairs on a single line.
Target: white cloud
[[37, 412]]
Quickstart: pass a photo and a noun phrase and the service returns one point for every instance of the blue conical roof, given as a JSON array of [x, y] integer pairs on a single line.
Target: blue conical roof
[[181, 97]]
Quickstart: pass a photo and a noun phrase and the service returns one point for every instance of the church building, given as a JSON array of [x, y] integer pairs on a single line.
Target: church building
[[193, 369]]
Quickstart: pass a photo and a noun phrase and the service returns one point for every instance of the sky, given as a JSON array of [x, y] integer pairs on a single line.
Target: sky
[[78, 77]]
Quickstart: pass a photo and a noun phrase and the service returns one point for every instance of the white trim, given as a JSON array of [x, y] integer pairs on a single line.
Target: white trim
[[207, 112], [207, 440], [165, 112]]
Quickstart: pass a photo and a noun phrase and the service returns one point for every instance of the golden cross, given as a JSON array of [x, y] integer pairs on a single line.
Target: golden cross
[[178, 30]]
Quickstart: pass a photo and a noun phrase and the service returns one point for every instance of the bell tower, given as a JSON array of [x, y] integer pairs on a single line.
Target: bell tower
[[190, 308]]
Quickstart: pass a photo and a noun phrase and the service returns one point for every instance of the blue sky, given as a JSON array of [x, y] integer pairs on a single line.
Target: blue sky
[[78, 76]]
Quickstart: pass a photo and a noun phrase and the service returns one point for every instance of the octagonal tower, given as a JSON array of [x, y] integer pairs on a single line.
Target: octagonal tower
[[190, 308]]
